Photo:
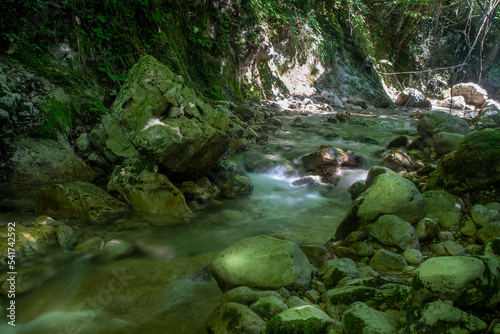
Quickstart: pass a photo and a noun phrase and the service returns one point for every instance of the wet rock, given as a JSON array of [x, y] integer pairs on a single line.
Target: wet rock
[[398, 161], [194, 192], [335, 270], [237, 186], [80, 201], [29, 241], [340, 299], [443, 207], [342, 117], [156, 248], [116, 249], [262, 262], [483, 216], [332, 99], [65, 236], [267, 163], [413, 256], [398, 142], [360, 318], [246, 296], [231, 317], [308, 181], [412, 98], [224, 170], [467, 281], [439, 317], [388, 193], [473, 164], [357, 102], [487, 233], [317, 255], [302, 319], [472, 93], [269, 306], [83, 143], [394, 231], [362, 249], [92, 245], [437, 121], [355, 237], [148, 192], [384, 260], [488, 119], [444, 142], [427, 229], [244, 112]]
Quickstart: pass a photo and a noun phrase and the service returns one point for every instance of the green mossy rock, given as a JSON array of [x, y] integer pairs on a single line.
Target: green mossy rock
[[361, 318], [148, 192], [444, 208], [473, 164], [393, 231], [234, 318], [302, 319], [262, 262], [79, 201], [436, 121], [237, 186]]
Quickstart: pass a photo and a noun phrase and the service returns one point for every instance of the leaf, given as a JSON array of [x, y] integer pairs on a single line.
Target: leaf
[[101, 18]]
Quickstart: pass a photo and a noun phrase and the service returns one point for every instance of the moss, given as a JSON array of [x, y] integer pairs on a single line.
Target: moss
[[309, 326], [352, 324], [417, 283], [232, 317], [494, 245], [361, 294]]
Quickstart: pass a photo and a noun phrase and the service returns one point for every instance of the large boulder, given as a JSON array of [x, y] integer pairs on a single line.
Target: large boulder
[[472, 93], [157, 115], [387, 193], [262, 262], [467, 281], [436, 121], [488, 118], [148, 192], [413, 98], [79, 201], [443, 207], [444, 142], [473, 164]]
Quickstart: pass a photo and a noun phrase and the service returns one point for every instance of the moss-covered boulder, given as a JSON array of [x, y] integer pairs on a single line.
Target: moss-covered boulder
[[361, 318], [80, 201], [234, 318], [439, 317], [393, 231], [237, 186], [473, 164], [444, 208], [157, 115], [339, 300], [148, 192], [467, 281], [387, 193], [301, 319], [436, 121], [262, 262], [334, 270]]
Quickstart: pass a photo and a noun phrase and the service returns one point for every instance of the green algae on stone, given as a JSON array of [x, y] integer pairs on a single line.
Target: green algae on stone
[[473, 164], [237, 186]]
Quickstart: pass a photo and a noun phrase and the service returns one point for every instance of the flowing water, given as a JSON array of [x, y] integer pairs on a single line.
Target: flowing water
[[166, 288]]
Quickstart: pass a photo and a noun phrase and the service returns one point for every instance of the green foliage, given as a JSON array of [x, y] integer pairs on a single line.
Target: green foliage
[[58, 119]]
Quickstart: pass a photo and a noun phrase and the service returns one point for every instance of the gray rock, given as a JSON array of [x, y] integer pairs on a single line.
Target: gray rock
[[444, 142], [412, 98], [8, 100], [456, 102], [231, 317], [360, 318], [388, 193], [65, 236], [413, 256], [482, 216], [384, 260], [473, 93], [269, 306], [299, 320], [453, 248], [439, 317], [437, 121], [443, 207], [394, 231], [335, 270], [487, 233], [81, 201], [262, 262], [467, 281], [332, 99]]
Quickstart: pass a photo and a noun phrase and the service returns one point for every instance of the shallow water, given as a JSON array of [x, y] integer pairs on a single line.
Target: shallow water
[[167, 289]]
